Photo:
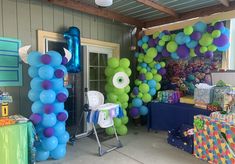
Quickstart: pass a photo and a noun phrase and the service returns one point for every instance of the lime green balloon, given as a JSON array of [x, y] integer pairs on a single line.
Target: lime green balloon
[[144, 88], [113, 62], [125, 120], [203, 49], [163, 64], [206, 40], [216, 33], [173, 36], [158, 86], [128, 71], [166, 38], [109, 131], [157, 77], [151, 52], [212, 47], [141, 56], [108, 88], [137, 82], [146, 98], [108, 71], [118, 91], [124, 62], [143, 70], [109, 80], [124, 112], [154, 71], [119, 69], [124, 105], [112, 97], [156, 34], [122, 130], [139, 68], [127, 89], [132, 95], [152, 64], [192, 53], [171, 46], [214, 22], [148, 59], [149, 76], [123, 98], [188, 30], [117, 122], [161, 42], [145, 46], [140, 95]]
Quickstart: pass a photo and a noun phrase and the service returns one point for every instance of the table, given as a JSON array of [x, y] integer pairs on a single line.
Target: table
[[163, 116]]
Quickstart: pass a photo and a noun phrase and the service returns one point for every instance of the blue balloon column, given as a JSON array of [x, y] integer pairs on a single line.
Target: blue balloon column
[[48, 96]]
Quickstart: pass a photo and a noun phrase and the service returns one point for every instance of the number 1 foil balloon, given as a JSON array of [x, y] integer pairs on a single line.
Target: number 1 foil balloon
[[72, 36]]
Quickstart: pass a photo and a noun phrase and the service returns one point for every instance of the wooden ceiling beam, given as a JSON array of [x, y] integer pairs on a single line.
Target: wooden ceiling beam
[[191, 14], [224, 2], [158, 7], [97, 11]]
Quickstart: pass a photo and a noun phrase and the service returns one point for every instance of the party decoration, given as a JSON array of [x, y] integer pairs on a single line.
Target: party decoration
[[72, 36], [48, 95], [117, 88]]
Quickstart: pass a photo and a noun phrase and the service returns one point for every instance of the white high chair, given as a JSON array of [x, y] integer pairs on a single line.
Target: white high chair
[[96, 103]]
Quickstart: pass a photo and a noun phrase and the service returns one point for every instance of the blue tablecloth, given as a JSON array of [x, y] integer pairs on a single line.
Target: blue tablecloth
[[163, 116]]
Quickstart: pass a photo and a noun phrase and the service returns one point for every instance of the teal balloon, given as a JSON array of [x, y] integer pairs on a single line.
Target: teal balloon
[[187, 39], [143, 110], [224, 48], [58, 107], [49, 120], [33, 71], [50, 143], [57, 84], [47, 96], [56, 58], [63, 138], [63, 68], [174, 56], [152, 83], [152, 91], [41, 155], [37, 107], [180, 38], [139, 43], [46, 72], [59, 152], [36, 84], [34, 58], [33, 95], [200, 26], [192, 44], [63, 90], [145, 38], [159, 48], [137, 102], [59, 128]]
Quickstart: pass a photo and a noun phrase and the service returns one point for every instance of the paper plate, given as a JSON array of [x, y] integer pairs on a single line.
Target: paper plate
[[120, 80]]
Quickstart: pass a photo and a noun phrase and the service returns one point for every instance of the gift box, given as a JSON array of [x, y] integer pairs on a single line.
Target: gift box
[[187, 100], [203, 95], [214, 141], [229, 118], [219, 93], [168, 96]]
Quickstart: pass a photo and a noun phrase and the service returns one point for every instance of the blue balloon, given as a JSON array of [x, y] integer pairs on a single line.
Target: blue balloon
[[174, 56], [144, 65], [50, 143], [158, 66], [59, 152], [46, 72], [34, 58], [161, 35], [187, 39], [137, 102], [36, 84], [192, 44], [49, 120], [63, 90], [180, 38], [72, 36], [143, 110], [200, 26], [159, 48], [145, 38], [145, 81], [33, 94], [58, 107], [148, 69], [63, 68], [41, 155], [33, 71], [152, 83], [139, 43], [37, 107], [226, 32], [47, 96], [57, 84], [59, 128], [224, 48], [63, 138], [56, 58], [152, 91]]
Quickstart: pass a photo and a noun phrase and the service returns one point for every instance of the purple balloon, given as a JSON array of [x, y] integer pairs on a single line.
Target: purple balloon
[[61, 97], [142, 77], [166, 32], [165, 53], [46, 84], [135, 90], [35, 118], [209, 54], [64, 60], [158, 57], [48, 132], [59, 73], [183, 51], [134, 112], [48, 108], [151, 42], [210, 29], [197, 50], [46, 59], [62, 116], [196, 35], [221, 41], [219, 25], [162, 71]]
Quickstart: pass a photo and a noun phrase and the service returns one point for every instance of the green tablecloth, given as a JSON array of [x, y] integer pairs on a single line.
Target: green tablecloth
[[14, 143]]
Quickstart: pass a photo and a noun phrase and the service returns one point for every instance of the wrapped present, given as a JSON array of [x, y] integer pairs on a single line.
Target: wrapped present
[[187, 100], [219, 93], [220, 116], [214, 107], [214, 141], [203, 95], [168, 96]]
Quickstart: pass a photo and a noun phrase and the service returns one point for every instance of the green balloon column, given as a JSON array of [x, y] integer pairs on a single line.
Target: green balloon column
[[117, 88]]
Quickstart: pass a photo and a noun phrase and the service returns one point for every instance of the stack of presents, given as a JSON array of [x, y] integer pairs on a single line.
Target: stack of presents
[[212, 138]]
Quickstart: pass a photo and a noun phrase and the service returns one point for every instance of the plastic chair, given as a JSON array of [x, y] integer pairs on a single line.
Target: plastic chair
[[96, 103]]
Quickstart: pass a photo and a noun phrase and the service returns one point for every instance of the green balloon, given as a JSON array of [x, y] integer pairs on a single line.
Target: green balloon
[[156, 34], [117, 122], [128, 71], [216, 33], [124, 62], [151, 52], [149, 76], [212, 48], [141, 56], [112, 97], [161, 42], [203, 49], [122, 130], [166, 38], [146, 98], [158, 86], [206, 40], [157, 77], [108, 71], [188, 30], [163, 64], [148, 59], [192, 53], [125, 120], [139, 68], [123, 98], [144, 88], [124, 112], [137, 82], [145, 46], [113, 62], [108, 88], [143, 70], [171, 46], [152, 64], [127, 89], [173, 36], [125, 105], [118, 91], [132, 95], [154, 71], [109, 131], [140, 95], [119, 69]]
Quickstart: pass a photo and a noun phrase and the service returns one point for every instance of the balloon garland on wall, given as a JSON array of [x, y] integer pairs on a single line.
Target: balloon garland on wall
[[200, 40], [117, 88], [48, 96]]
